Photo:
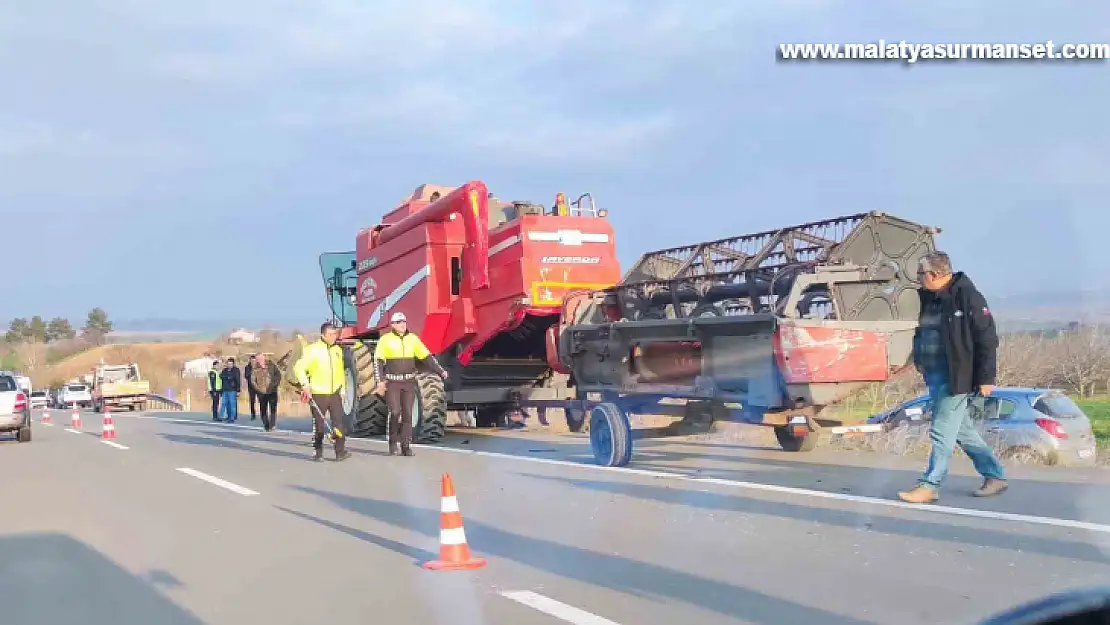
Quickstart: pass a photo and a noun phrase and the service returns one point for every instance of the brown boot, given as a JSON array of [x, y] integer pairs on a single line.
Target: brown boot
[[919, 494], [406, 450], [991, 487]]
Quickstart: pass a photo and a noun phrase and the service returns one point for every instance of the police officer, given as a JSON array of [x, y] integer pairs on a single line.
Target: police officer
[[395, 365], [322, 377], [215, 388]]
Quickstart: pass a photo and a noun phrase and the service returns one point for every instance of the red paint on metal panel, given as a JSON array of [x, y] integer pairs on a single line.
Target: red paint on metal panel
[[823, 354]]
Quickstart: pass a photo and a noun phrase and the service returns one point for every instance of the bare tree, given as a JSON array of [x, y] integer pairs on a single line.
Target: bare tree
[[32, 356], [1081, 360], [1026, 360]]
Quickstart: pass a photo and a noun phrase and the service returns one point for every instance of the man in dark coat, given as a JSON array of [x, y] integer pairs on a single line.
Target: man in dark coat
[[955, 350], [232, 384], [263, 380]]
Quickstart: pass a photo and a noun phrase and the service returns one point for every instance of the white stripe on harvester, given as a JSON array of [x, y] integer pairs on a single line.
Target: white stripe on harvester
[[555, 608], [452, 536], [402, 290], [504, 244], [449, 504], [567, 237]]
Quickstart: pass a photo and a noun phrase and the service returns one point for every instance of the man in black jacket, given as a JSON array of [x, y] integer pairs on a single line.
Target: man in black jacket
[[955, 350], [231, 379]]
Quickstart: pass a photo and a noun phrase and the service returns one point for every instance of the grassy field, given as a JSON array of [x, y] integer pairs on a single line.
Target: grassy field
[[1098, 410]]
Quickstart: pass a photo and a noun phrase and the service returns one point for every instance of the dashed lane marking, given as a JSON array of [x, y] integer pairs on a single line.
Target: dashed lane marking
[[212, 479], [115, 444], [73, 431], [555, 608], [682, 477]]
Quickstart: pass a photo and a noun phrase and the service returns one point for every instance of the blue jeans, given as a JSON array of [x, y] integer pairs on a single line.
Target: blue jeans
[[952, 426], [230, 405]]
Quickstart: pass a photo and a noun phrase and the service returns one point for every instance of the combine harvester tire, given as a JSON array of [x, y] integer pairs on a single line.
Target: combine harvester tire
[[371, 414], [429, 414]]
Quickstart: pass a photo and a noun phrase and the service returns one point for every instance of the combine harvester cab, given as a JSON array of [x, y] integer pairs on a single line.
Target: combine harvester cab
[[768, 329], [482, 283]]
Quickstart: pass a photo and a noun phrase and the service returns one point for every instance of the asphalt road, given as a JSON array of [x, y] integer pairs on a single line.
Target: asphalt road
[[183, 521]]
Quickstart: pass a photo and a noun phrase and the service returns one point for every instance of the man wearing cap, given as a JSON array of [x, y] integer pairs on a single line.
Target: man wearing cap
[[395, 366]]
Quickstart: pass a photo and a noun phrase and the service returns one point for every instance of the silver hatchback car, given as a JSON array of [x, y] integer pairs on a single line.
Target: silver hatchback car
[[1026, 424], [15, 409]]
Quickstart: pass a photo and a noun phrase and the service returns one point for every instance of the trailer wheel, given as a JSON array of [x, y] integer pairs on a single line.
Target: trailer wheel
[[368, 413], [610, 435], [429, 414], [789, 442]]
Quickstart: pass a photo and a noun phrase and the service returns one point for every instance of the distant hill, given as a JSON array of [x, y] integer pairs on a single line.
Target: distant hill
[[1051, 310], [207, 327]]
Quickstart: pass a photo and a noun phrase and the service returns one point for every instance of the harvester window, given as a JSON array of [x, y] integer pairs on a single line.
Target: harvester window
[[456, 275]]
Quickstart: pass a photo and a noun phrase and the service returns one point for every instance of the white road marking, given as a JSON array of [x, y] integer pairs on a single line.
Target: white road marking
[[73, 431], [211, 479], [115, 444], [49, 425], [773, 488], [555, 608]]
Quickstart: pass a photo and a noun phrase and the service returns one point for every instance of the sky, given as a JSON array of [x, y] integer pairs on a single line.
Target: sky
[[192, 159]]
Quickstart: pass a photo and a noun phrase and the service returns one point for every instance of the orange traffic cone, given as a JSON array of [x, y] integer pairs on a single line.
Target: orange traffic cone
[[454, 553], [75, 418], [108, 431], [46, 417]]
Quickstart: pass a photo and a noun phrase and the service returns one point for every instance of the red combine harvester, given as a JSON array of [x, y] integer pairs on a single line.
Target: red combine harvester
[[482, 283]]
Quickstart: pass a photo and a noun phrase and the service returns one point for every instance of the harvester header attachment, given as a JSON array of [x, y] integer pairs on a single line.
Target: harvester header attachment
[[857, 267]]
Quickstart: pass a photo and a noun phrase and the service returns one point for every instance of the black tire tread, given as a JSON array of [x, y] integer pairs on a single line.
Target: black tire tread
[[372, 414], [433, 402]]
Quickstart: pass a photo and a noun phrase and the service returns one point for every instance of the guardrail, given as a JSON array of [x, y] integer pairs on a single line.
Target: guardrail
[[161, 402]]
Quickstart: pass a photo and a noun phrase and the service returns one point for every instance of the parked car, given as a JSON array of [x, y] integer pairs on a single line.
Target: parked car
[[40, 399], [1028, 424], [75, 394], [15, 409]]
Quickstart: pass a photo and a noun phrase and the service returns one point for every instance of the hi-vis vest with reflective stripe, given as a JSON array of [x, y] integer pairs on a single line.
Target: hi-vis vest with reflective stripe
[[215, 382], [397, 355], [320, 368]]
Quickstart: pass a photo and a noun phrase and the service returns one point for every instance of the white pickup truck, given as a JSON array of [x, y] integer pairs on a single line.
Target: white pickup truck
[[78, 394]]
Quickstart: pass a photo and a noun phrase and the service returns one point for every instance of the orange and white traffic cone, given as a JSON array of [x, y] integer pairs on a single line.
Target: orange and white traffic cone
[[75, 418], [108, 430], [454, 553], [46, 417]]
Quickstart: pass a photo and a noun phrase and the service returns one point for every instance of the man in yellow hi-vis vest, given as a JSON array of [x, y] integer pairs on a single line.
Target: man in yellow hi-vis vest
[[395, 365], [215, 388], [323, 379]]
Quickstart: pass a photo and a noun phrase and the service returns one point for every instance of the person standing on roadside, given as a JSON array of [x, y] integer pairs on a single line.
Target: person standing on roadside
[[215, 388], [232, 381], [955, 350], [323, 378], [395, 365], [252, 396], [263, 381]]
